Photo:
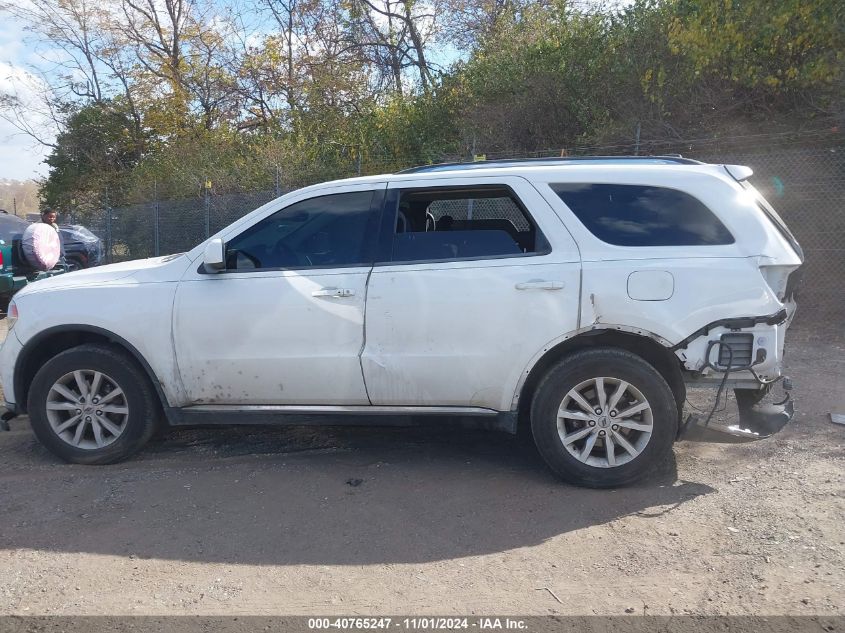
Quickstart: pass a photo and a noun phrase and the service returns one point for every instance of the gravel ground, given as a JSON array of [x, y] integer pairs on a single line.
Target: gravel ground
[[373, 520]]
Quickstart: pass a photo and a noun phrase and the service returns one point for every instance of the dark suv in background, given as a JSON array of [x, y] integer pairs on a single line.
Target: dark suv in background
[[81, 248]]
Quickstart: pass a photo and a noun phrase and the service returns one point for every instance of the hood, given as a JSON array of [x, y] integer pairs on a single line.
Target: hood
[[167, 268]]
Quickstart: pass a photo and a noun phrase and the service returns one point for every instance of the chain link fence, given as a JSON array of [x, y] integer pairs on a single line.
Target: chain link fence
[[804, 182], [807, 189]]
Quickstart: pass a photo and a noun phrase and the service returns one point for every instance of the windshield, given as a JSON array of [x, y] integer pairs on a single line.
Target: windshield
[[774, 217], [78, 232]]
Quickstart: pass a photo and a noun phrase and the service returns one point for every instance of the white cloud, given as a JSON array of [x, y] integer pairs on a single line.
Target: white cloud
[[21, 157]]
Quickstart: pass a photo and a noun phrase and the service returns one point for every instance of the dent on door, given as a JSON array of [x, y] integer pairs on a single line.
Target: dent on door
[[461, 336], [286, 338]]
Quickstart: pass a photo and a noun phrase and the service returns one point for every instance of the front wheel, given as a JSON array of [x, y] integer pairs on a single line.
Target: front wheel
[[92, 404], [604, 417]]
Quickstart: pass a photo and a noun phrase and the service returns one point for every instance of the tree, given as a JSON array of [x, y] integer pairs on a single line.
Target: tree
[[394, 35], [96, 151], [764, 54]]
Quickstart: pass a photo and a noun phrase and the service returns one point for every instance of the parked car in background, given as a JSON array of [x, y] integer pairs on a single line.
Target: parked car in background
[[15, 271], [82, 248]]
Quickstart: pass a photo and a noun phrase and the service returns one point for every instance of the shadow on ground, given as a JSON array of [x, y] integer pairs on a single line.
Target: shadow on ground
[[285, 496]]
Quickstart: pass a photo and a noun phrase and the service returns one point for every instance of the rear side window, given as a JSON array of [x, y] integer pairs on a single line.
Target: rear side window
[[481, 222], [636, 215]]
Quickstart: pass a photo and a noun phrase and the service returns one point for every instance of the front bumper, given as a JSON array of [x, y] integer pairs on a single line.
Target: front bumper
[[9, 350]]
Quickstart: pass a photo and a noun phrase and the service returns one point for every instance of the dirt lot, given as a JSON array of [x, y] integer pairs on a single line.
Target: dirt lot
[[362, 521]]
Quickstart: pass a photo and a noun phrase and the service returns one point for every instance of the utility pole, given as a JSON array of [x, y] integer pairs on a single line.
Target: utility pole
[[108, 227], [155, 219], [637, 145], [207, 207]]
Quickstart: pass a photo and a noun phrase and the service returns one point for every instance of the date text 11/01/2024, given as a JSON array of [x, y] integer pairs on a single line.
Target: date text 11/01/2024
[[418, 623]]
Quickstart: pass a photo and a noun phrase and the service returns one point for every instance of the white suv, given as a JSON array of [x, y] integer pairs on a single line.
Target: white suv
[[580, 296]]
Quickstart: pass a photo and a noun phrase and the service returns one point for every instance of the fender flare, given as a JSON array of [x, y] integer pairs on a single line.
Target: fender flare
[[590, 330], [33, 343]]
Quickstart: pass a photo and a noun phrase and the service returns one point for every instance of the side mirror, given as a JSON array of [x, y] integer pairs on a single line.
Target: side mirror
[[214, 258]]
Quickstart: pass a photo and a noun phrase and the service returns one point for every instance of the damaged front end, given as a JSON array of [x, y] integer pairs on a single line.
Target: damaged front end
[[745, 355]]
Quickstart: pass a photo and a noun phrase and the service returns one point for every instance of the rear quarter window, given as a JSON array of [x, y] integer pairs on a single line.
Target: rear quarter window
[[636, 215]]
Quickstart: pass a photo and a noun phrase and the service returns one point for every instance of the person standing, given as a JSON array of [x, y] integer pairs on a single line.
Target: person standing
[[49, 216]]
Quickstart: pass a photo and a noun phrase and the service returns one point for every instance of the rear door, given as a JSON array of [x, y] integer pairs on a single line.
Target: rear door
[[476, 276]]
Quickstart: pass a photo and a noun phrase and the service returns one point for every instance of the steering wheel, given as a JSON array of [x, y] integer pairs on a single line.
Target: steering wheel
[[430, 221], [284, 253]]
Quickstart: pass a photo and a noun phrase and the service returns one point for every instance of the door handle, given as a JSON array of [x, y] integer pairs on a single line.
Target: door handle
[[540, 284], [333, 293]]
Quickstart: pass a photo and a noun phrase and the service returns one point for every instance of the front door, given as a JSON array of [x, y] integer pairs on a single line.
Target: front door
[[283, 323], [475, 276]]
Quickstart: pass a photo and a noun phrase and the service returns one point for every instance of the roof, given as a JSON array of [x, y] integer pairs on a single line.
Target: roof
[[552, 162], [531, 166]]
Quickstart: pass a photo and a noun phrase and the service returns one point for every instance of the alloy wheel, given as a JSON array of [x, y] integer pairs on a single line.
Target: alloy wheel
[[605, 422], [87, 409]]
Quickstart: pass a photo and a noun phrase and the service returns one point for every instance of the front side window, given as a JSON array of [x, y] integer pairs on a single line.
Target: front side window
[[463, 223], [637, 215], [327, 231]]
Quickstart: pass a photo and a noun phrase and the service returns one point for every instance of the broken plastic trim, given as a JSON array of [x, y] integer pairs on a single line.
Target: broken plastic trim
[[756, 422], [5, 417], [735, 323]]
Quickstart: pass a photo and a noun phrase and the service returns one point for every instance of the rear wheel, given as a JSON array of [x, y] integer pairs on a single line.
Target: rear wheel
[[92, 404], [603, 417]]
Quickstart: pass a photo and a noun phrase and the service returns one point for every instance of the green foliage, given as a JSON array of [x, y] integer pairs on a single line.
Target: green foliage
[[543, 75], [775, 47], [540, 80], [98, 148]]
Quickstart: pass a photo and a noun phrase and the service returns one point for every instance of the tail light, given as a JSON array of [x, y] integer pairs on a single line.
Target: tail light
[[781, 280], [12, 315], [2, 263]]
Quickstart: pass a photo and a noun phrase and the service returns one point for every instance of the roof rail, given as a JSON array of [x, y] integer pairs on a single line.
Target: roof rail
[[670, 159]]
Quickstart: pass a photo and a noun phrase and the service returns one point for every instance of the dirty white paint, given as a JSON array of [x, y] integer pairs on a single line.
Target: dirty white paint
[[132, 299], [453, 333], [459, 333], [264, 338]]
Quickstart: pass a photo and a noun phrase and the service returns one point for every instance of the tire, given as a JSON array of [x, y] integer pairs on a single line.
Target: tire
[[126, 419], [656, 423]]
